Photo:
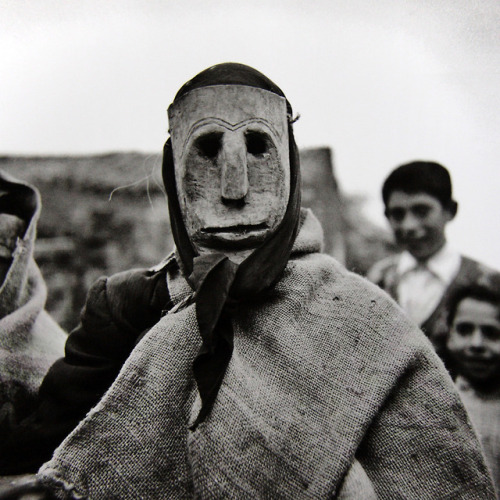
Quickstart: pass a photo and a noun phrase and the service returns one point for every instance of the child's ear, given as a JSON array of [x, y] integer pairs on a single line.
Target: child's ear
[[452, 209]]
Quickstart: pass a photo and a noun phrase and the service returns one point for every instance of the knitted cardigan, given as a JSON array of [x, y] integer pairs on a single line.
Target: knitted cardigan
[[384, 274], [30, 340], [330, 389]]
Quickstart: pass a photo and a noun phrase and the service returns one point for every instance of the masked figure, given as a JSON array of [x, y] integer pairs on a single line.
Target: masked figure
[[248, 364], [30, 340]]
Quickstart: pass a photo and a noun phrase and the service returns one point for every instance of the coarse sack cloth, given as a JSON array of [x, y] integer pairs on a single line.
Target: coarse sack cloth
[[30, 340], [328, 379]]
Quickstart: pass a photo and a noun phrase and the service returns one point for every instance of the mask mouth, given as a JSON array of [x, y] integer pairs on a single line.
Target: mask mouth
[[237, 228], [237, 236]]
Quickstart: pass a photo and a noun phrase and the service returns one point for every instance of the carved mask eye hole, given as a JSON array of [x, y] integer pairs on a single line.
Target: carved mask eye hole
[[256, 142], [209, 144]]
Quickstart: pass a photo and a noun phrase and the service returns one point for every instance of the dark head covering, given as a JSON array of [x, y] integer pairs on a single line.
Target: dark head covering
[[220, 284], [421, 177]]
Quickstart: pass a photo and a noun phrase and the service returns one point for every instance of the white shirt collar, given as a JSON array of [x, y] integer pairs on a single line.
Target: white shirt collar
[[444, 264]]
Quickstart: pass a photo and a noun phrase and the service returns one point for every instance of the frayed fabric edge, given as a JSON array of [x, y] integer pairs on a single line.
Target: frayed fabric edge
[[51, 478]]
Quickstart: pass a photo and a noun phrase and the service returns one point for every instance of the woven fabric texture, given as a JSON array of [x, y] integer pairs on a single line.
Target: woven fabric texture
[[30, 340], [329, 386]]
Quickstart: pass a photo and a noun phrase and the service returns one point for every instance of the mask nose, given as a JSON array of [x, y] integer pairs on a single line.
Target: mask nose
[[234, 173]]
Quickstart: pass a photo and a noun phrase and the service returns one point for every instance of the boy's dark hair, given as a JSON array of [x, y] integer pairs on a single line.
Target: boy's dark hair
[[490, 294], [421, 177]]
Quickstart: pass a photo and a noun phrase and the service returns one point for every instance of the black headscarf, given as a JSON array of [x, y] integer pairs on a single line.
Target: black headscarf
[[219, 284]]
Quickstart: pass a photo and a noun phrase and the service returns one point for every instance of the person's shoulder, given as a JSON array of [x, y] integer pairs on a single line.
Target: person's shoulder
[[473, 272], [385, 326], [333, 291], [133, 297], [379, 270], [133, 284], [140, 287], [326, 272]]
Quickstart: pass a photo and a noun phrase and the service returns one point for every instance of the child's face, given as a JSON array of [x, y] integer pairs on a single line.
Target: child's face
[[418, 221], [474, 340]]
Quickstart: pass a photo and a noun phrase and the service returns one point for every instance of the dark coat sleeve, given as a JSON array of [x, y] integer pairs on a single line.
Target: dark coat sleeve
[[119, 310]]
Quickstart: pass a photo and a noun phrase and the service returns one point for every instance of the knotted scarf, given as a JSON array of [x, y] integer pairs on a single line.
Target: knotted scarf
[[219, 284]]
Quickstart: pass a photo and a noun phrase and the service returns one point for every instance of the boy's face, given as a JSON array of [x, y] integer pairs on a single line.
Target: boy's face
[[418, 221], [474, 340]]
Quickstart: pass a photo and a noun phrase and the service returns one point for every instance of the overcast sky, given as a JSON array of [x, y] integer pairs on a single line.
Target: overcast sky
[[380, 82]]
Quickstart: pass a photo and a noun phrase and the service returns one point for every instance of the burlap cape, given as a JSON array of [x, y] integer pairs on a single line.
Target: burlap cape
[[327, 377], [30, 340]]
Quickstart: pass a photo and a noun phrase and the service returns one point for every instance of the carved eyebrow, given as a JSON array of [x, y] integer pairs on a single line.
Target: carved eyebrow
[[230, 126]]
